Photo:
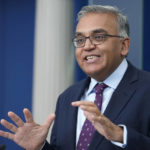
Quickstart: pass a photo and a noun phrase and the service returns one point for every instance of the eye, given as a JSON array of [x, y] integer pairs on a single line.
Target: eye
[[80, 40], [98, 37]]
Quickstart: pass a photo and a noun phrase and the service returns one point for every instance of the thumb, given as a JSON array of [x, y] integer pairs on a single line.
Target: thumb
[[49, 121]]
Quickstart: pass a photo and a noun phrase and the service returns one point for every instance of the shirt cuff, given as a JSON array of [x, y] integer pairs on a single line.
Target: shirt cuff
[[122, 145]]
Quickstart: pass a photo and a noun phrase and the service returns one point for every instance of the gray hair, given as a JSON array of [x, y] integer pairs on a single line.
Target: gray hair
[[122, 21]]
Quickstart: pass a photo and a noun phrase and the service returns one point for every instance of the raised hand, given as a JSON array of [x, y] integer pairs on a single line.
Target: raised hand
[[29, 135], [101, 123]]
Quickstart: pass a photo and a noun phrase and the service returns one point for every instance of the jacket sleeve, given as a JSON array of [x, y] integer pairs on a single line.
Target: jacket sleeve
[[137, 140], [53, 140]]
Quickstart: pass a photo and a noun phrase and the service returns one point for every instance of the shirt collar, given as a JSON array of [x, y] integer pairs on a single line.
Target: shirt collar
[[113, 80]]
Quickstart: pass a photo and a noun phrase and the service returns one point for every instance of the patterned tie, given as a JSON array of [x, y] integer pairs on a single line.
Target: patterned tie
[[88, 130]]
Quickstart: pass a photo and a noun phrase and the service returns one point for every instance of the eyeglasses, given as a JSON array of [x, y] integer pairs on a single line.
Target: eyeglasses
[[95, 39]]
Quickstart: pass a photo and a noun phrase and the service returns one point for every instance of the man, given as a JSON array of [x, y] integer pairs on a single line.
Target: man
[[123, 119]]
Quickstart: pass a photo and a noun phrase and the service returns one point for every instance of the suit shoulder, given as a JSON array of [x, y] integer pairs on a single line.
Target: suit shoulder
[[75, 87], [142, 74], [145, 75]]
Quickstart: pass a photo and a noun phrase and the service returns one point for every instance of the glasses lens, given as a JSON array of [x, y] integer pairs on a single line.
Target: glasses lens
[[98, 38], [79, 41]]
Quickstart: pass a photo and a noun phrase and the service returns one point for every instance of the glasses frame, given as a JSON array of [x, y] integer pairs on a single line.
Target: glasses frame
[[89, 37]]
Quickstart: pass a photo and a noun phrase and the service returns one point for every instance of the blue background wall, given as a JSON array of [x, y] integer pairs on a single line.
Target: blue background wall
[[16, 58], [146, 35], [78, 4]]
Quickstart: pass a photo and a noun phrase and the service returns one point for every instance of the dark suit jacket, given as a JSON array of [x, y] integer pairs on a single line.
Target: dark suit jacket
[[129, 105]]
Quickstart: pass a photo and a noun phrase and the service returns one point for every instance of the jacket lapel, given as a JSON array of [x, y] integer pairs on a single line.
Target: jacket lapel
[[119, 100], [75, 95]]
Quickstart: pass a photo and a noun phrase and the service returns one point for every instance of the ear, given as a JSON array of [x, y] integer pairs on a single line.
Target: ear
[[125, 46]]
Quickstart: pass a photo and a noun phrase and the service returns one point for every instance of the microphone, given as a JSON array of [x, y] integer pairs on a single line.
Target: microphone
[[2, 147]]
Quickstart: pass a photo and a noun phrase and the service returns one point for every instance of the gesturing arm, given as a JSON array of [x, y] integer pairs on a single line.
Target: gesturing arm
[[101, 123], [29, 135]]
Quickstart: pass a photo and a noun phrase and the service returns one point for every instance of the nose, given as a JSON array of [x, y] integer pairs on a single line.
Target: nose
[[88, 44]]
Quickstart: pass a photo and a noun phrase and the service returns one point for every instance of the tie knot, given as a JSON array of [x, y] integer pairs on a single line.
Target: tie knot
[[100, 87]]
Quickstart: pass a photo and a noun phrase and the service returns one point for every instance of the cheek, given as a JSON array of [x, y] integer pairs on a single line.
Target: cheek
[[78, 56], [108, 58], [113, 58]]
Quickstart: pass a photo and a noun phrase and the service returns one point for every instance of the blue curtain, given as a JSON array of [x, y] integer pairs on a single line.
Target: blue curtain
[[16, 58], [78, 4], [146, 36]]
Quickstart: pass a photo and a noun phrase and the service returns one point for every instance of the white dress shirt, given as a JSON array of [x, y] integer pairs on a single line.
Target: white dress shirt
[[112, 81]]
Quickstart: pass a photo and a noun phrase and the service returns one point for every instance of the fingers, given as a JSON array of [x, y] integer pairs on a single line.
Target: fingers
[[17, 120], [87, 106], [91, 111], [79, 103], [28, 116], [13, 128], [7, 135], [9, 126], [49, 120], [100, 119], [101, 123]]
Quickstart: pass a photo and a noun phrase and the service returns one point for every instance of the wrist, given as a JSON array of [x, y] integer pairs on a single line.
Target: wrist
[[39, 147], [116, 134]]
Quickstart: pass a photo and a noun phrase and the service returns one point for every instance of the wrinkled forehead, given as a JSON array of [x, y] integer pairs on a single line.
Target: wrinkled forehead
[[104, 22]]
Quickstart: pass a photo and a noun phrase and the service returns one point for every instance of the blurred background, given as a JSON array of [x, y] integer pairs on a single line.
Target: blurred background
[[37, 60]]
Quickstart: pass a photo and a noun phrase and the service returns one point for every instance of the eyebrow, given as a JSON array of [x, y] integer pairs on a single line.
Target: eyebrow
[[93, 31], [99, 31]]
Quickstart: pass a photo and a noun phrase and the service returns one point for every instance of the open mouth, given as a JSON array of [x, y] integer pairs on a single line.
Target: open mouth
[[91, 57]]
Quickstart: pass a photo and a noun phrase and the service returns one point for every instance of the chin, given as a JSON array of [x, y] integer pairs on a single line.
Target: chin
[[92, 70], [96, 74], [92, 74]]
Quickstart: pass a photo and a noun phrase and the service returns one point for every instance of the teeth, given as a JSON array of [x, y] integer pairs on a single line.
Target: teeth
[[90, 57]]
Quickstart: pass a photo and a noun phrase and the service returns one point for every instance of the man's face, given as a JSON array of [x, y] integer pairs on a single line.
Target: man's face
[[99, 61]]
